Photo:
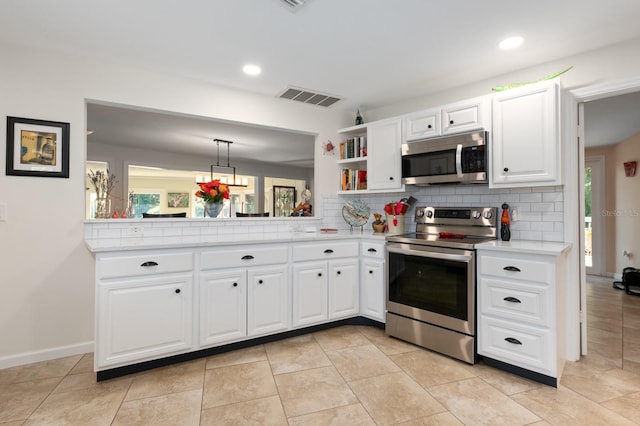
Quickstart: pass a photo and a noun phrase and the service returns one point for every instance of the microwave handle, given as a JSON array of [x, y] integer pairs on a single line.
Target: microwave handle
[[459, 160]]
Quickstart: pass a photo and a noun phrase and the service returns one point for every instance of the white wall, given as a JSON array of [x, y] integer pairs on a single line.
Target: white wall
[[46, 309], [47, 273]]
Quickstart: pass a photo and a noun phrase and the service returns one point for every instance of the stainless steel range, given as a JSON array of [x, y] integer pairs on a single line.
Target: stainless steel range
[[431, 278]]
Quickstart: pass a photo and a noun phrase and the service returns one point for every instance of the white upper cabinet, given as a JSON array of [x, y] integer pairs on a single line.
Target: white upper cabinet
[[422, 124], [525, 148], [384, 162], [465, 116]]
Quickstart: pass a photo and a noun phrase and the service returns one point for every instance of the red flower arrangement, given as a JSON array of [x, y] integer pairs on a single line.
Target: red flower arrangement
[[213, 191]]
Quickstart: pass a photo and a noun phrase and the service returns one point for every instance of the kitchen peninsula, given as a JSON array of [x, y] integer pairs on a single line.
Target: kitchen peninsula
[[174, 289]]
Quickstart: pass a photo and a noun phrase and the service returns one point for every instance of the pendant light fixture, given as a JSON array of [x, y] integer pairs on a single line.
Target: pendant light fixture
[[235, 181]]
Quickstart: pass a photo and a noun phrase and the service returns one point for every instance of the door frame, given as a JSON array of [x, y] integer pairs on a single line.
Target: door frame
[[576, 308], [598, 185]]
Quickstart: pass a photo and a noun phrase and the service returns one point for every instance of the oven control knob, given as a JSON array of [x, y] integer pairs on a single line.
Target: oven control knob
[[429, 214], [487, 214], [420, 213], [476, 214]]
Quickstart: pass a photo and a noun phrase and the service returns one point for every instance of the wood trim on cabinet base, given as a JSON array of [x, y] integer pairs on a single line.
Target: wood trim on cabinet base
[[148, 365]]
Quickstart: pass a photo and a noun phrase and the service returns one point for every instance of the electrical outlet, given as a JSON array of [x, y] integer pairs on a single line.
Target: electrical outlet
[[135, 231]]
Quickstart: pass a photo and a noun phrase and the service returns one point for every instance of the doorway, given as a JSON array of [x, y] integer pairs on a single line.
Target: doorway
[[594, 187]]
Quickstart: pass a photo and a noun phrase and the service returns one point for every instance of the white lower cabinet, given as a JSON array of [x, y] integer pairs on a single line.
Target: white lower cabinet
[[243, 302], [325, 281], [142, 312], [518, 310], [372, 281]]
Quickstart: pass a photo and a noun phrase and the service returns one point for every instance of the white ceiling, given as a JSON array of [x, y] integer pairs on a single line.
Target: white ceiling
[[371, 53]]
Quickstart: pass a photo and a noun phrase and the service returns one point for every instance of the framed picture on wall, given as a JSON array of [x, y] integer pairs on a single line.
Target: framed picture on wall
[[37, 148], [177, 199]]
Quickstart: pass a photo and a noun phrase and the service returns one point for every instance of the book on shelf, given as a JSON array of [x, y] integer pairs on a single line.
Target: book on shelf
[[353, 148], [353, 179]]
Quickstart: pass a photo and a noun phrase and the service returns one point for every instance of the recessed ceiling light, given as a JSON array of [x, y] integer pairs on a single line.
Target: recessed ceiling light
[[511, 43], [251, 69]]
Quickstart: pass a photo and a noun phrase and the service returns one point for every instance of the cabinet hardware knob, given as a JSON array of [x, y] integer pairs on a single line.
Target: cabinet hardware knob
[[506, 169], [148, 264], [390, 177], [512, 299], [450, 121], [372, 250], [338, 272], [319, 274], [513, 340], [177, 291], [429, 126], [247, 257], [328, 251], [235, 284], [511, 269], [260, 282], [371, 272]]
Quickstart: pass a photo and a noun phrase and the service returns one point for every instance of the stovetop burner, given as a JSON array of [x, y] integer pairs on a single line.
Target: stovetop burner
[[453, 227]]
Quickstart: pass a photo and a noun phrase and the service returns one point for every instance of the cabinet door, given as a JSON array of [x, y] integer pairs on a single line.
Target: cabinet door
[[465, 116], [140, 319], [344, 294], [372, 289], [268, 300], [384, 161], [223, 306], [421, 125], [525, 147], [309, 293]]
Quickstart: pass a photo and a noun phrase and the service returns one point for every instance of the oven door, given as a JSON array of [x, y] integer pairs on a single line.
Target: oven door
[[432, 284]]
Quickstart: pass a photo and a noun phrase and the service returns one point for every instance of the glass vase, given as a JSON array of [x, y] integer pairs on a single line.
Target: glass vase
[[102, 208], [213, 209]]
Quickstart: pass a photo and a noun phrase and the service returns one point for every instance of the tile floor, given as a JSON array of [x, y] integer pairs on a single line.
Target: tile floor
[[344, 376]]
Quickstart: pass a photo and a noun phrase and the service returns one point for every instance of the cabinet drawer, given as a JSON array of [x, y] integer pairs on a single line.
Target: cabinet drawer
[[517, 269], [520, 302], [243, 257], [326, 250], [372, 249], [143, 264], [526, 347]]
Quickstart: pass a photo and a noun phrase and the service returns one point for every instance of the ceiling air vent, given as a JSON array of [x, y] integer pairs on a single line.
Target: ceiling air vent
[[309, 97]]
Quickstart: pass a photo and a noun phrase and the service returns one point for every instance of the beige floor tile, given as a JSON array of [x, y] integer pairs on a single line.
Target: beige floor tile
[[39, 370], [95, 407], [19, 400], [176, 409], [504, 381], [361, 362], [295, 354], [388, 345], [85, 365], [628, 406], [605, 337], [237, 383], [631, 335], [162, 381], [440, 419], [340, 338], [240, 356], [475, 402], [258, 412], [395, 397], [562, 406], [304, 392], [352, 415], [600, 386], [429, 368], [81, 381], [631, 351]]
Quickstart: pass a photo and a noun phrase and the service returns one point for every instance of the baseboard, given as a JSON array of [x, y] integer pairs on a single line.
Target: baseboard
[[45, 355]]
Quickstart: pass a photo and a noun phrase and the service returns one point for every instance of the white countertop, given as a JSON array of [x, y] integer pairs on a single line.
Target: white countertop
[[525, 246], [144, 243]]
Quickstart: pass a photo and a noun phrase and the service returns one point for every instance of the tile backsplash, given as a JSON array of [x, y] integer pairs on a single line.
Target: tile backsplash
[[537, 213]]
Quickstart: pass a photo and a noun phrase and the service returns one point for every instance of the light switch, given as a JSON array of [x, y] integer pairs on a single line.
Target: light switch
[[3, 212]]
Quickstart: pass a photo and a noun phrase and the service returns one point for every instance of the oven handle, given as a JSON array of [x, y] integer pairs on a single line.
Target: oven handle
[[459, 160], [432, 254]]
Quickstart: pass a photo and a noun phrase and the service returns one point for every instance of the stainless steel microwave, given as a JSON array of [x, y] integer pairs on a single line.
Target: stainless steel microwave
[[460, 158]]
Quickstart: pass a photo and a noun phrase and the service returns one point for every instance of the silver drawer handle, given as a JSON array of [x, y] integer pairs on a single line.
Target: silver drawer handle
[[513, 340], [512, 299], [148, 264], [511, 268]]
